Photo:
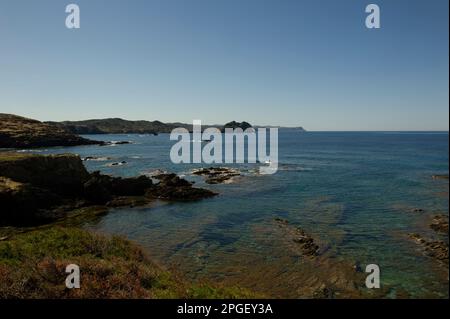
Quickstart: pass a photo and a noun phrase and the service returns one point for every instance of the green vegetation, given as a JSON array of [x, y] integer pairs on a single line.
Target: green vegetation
[[32, 265]]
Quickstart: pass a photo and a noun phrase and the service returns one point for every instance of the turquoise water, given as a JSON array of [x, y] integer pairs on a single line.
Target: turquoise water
[[354, 192]]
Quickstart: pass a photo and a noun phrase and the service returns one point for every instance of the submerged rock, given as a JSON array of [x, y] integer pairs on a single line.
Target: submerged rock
[[434, 249], [305, 242], [216, 175], [443, 177], [281, 220]]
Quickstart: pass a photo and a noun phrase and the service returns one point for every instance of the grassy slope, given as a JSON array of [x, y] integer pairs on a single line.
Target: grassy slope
[[32, 265]]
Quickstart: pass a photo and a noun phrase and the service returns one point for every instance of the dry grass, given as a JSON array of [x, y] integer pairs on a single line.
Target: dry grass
[[32, 265]]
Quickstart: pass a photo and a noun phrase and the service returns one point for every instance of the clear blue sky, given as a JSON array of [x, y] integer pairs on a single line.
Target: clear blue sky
[[310, 63]]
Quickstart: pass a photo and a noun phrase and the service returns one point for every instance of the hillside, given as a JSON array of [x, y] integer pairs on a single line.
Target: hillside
[[21, 132], [117, 126], [121, 126]]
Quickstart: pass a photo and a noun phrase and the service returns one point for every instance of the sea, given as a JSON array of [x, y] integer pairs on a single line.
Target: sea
[[358, 194]]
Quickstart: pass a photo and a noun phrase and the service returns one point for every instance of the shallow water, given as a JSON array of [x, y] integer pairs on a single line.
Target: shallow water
[[353, 192]]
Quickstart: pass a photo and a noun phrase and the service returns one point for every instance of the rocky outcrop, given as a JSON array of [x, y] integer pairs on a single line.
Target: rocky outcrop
[[304, 241], [217, 175], [21, 132], [36, 189], [172, 187], [103, 188], [63, 174]]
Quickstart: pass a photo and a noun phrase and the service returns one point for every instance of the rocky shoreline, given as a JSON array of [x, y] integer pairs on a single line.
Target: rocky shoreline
[[36, 189], [434, 246]]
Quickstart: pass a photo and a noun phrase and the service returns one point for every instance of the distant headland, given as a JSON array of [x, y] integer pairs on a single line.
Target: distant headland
[[21, 132], [121, 126]]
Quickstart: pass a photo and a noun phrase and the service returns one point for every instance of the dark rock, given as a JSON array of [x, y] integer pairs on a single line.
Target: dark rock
[[118, 163], [133, 186], [171, 180], [35, 189], [98, 189], [23, 204], [172, 187], [102, 188], [63, 174]]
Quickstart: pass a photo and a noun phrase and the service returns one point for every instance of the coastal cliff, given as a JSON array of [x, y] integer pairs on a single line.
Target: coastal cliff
[[36, 189]]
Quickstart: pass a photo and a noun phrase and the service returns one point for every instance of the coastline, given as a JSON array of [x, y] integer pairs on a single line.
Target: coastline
[[98, 193]]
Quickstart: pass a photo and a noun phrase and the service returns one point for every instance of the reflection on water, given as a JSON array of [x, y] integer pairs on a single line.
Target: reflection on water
[[353, 192]]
